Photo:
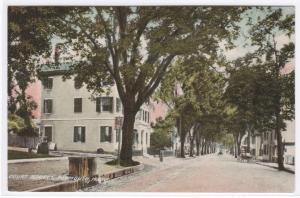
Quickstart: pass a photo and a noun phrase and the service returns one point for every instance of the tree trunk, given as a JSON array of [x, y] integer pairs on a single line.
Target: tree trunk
[[182, 138], [202, 147], [279, 144], [248, 141], [205, 148], [127, 137], [192, 147], [182, 149], [198, 147], [235, 146]]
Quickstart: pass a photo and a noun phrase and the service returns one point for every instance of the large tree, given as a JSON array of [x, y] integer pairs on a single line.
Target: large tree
[[30, 30], [251, 90], [275, 56], [135, 46]]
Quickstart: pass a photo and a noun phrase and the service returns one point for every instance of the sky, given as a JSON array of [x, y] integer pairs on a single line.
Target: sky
[[240, 50]]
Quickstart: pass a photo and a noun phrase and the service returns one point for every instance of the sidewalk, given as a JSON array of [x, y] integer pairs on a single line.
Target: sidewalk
[[288, 168], [36, 160]]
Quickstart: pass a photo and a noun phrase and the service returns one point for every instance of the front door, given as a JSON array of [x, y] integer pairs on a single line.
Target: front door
[[48, 133]]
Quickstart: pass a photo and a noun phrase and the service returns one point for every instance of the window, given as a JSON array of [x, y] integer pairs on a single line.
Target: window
[[48, 106], [77, 105], [104, 104], [253, 139], [48, 133], [79, 134], [118, 133], [142, 137], [105, 133], [139, 115], [265, 135], [77, 84], [143, 112], [98, 104], [135, 136], [148, 116], [107, 83], [48, 83], [146, 138], [118, 105]]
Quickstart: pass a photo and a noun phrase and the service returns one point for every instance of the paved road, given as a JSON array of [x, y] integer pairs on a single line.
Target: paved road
[[211, 173]]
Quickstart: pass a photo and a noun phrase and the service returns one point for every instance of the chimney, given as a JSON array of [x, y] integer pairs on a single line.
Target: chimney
[[57, 52]]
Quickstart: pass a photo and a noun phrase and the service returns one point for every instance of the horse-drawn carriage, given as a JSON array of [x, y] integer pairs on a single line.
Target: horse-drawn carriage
[[245, 157]]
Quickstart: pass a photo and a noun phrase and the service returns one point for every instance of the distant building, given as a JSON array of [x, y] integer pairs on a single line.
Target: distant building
[[75, 119], [264, 146]]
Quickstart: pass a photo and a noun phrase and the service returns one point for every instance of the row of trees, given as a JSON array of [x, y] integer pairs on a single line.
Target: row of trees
[[260, 95], [252, 96]]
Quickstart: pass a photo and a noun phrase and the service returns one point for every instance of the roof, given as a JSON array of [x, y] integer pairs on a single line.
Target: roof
[[55, 69]]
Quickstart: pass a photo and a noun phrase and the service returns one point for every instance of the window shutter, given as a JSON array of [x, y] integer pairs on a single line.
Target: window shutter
[[82, 134], [102, 134], [44, 106], [98, 104], [50, 81], [112, 104], [110, 134], [75, 134], [50, 106], [75, 107]]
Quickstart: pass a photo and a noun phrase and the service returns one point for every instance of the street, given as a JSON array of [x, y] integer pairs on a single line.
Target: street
[[210, 173]]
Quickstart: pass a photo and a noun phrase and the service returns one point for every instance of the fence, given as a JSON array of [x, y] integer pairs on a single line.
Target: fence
[[22, 141], [166, 153]]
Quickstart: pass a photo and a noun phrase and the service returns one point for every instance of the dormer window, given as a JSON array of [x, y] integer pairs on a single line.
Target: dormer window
[[77, 84], [48, 83]]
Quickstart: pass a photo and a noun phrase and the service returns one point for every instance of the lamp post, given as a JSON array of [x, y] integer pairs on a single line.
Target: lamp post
[[118, 126]]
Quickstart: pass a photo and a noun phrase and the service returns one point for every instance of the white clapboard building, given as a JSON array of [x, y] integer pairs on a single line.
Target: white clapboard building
[[74, 119]]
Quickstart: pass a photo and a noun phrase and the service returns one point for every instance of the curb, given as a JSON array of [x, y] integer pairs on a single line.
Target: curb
[[122, 172], [72, 186], [66, 186], [36, 160], [286, 170]]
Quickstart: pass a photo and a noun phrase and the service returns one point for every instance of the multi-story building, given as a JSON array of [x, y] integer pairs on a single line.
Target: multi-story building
[[264, 146], [288, 139], [75, 119]]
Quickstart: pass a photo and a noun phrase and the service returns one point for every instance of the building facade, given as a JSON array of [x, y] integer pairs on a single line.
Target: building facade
[[264, 146], [75, 119]]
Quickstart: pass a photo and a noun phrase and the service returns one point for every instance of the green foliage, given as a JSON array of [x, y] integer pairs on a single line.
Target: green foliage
[[30, 30], [15, 123], [122, 163], [139, 43], [262, 96], [24, 155], [162, 135], [251, 91], [227, 140], [136, 46]]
